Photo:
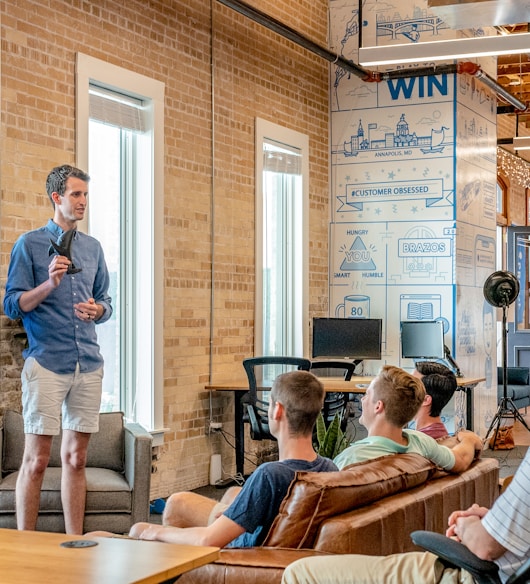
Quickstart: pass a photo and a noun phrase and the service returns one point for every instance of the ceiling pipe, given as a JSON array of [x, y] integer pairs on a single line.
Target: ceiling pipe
[[365, 74], [291, 34], [461, 68], [474, 69]]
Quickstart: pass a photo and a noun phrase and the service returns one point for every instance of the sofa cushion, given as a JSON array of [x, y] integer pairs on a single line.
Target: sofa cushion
[[514, 375], [314, 497], [515, 392], [105, 449]]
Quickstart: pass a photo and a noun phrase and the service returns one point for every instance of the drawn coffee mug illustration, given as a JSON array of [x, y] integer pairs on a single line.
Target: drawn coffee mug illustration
[[354, 306]]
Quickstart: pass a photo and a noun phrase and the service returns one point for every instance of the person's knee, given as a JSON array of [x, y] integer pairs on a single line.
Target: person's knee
[[36, 464], [230, 494], [310, 570], [176, 504], [290, 574], [75, 459]]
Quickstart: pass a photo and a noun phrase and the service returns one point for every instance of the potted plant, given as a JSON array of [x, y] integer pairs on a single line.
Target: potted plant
[[331, 441]]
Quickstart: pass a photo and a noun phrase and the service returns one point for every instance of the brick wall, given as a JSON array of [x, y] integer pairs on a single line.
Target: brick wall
[[255, 73]]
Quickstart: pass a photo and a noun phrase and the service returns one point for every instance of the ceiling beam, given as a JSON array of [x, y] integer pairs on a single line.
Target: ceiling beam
[[513, 69]]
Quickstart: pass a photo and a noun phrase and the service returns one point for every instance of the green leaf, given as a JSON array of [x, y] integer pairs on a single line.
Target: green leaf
[[331, 440], [321, 429]]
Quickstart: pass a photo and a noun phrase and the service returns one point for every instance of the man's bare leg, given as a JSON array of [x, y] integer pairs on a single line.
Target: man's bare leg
[[73, 479], [29, 482], [187, 509], [230, 494]]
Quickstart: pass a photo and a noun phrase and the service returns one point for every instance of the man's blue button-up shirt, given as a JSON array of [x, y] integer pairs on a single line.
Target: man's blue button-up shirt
[[58, 340]]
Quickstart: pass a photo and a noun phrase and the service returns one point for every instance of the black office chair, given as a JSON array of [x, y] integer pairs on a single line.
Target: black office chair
[[454, 554], [334, 402], [256, 402]]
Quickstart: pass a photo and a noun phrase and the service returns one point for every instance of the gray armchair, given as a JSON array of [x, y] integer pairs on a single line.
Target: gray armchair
[[517, 385], [118, 476]]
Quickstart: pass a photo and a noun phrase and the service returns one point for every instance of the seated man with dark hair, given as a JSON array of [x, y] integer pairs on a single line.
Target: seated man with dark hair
[[440, 384]]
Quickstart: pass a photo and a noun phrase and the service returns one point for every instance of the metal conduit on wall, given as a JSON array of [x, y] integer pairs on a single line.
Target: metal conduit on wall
[[365, 74]]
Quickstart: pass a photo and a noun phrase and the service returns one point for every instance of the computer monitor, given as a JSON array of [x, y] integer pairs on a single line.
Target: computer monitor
[[422, 339], [347, 338]]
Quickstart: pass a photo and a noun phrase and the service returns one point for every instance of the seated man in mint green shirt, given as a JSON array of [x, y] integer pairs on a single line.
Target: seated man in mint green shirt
[[390, 402]]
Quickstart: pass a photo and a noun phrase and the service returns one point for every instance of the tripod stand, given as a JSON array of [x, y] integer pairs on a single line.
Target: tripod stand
[[506, 406]]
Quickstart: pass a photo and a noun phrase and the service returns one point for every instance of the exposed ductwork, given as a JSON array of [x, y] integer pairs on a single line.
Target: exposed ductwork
[[365, 74]]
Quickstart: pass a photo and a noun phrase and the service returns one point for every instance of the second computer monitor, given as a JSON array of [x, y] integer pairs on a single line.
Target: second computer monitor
[[422, 339]]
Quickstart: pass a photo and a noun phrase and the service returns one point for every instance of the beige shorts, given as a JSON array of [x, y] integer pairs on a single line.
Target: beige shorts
[[48, 396]]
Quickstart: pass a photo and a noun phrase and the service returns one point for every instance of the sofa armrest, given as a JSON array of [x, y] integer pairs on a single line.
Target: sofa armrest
[[137, 466]]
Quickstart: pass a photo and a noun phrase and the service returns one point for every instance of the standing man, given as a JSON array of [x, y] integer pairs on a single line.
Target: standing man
[[63, 369]]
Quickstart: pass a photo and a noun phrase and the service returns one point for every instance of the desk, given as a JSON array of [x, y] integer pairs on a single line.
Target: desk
[[27, 557], [331, 384], [468, 384]]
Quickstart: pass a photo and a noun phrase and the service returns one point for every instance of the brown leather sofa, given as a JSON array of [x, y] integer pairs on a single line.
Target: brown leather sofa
[[367, 508]]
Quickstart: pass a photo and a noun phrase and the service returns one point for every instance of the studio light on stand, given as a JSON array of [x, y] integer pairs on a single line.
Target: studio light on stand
[[500, 290]]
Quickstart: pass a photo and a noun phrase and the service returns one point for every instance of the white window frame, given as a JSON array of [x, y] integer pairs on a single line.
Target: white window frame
[[269, 130], [150, 395]]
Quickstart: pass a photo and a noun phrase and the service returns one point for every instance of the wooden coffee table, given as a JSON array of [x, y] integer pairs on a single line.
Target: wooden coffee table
[[27, 557]]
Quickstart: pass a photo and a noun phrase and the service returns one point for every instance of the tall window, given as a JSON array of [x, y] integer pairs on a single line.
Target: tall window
[[119, 133], [281, 322]]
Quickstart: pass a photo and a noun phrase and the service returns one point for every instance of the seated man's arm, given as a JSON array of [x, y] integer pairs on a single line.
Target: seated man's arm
[[469, 444], [221, 532]]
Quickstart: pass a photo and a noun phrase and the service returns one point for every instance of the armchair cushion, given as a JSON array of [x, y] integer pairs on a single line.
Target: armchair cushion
[[106, 490], [517, 385]]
